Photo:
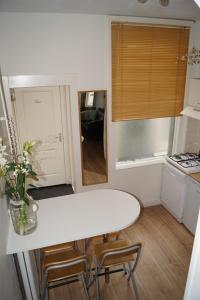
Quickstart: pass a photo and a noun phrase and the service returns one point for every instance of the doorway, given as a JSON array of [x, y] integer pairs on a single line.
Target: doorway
[[40, 115]]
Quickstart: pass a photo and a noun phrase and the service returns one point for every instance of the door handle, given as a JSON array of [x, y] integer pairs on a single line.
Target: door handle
[[59, 137]]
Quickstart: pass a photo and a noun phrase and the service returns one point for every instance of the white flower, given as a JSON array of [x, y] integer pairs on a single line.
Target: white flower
[[23, 171], [25, 153], [2, 150], [15, 173], [3, 161]]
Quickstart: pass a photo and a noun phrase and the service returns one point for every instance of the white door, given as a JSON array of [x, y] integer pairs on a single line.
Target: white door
[[39, 118]]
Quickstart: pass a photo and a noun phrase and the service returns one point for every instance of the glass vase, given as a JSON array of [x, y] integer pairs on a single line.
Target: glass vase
[[24, 216]]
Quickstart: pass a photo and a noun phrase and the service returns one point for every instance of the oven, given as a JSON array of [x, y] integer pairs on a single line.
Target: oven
[[175, 182]]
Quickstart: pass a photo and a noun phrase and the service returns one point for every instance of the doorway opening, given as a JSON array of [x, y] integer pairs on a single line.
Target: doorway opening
[[41, 115]]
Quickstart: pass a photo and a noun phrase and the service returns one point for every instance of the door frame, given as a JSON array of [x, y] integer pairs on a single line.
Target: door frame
[[66, 84]]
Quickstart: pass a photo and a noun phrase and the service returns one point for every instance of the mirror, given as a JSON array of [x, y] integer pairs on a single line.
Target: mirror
[[93, 136]]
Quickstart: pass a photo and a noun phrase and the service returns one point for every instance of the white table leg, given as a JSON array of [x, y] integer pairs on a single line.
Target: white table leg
[[29, 275]]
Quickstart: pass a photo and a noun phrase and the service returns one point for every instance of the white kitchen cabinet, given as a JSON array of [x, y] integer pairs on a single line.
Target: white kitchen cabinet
[[192, 205], [173, 190]]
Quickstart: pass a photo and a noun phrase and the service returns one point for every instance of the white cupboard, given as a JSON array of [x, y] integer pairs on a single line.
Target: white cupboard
[[192, 205], [173, 190]]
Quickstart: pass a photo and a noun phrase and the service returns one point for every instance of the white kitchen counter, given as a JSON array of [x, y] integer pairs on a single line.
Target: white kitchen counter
[[77, 216]]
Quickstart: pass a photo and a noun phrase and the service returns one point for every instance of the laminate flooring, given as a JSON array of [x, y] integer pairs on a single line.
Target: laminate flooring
[[94, 163], [162, 270]]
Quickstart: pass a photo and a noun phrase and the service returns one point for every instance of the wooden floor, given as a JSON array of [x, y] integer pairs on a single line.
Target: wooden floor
[[94, 164], [162, 270]]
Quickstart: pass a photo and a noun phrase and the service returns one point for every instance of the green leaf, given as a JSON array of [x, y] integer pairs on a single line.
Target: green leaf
[[20, 185], [11, 167], [26, 199], [32, 173]]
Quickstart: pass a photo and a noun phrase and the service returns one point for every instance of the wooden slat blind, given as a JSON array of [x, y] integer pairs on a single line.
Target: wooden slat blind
[[148, 71]]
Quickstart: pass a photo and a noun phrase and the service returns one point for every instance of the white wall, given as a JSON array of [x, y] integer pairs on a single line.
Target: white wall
[[39, 44], [9, 286], [50, 44]]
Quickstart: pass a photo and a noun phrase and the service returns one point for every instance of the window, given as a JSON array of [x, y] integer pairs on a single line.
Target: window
[[141, 139], [148, 85], [148, 71], [89, 101]]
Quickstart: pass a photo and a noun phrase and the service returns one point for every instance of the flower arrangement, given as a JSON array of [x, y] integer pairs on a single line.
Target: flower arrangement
[[15, 172]]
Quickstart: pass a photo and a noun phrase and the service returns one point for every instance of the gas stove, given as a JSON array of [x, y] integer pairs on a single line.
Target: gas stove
[[187, 162]]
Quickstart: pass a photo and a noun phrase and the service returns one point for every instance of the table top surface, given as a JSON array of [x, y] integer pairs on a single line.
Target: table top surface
[[75, 217]]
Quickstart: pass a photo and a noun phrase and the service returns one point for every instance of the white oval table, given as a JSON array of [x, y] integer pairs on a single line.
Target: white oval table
[[69, 218]]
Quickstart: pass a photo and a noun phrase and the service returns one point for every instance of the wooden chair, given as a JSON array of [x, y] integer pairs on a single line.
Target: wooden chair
[[102, 238], [64, 268], [70, 246], [116, 253], [111, 236], [41, 253]]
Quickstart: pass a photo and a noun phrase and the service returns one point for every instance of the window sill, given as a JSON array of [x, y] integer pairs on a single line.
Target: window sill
[[139, 163]]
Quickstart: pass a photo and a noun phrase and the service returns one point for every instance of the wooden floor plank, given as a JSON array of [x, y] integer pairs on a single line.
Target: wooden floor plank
[[162, 270]]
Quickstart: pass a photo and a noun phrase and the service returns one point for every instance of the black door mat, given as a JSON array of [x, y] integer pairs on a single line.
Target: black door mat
[[50, 191]]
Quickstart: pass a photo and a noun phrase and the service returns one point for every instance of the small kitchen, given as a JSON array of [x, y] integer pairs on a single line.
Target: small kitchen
[[180, 190], [173, 182]]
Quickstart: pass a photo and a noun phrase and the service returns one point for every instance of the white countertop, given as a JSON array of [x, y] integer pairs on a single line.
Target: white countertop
[[77, 216]]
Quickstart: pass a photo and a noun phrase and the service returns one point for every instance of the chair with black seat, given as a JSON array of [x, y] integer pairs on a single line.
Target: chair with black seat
[[64, 268], [116, 253]]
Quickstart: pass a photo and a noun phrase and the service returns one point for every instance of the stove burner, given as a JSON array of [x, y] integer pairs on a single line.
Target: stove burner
[[187, 162], [184, 157]]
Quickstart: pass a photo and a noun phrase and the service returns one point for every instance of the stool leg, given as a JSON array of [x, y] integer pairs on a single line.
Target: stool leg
[[125, 269], [75, 246], [105, 238], [85, 245], [107, 277], [85, 286], [97, 280], [133, 282]]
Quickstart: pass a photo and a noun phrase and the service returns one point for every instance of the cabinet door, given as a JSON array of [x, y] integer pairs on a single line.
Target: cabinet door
[[192, 206], [173, 190]]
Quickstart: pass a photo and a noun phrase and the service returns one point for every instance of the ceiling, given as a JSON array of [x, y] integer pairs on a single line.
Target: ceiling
[[178, 9]]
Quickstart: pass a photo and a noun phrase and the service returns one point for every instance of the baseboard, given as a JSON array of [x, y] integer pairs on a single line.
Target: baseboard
[[151, 203]]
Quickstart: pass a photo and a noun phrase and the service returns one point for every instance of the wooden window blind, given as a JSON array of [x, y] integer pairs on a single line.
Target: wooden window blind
[[148, 71]]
